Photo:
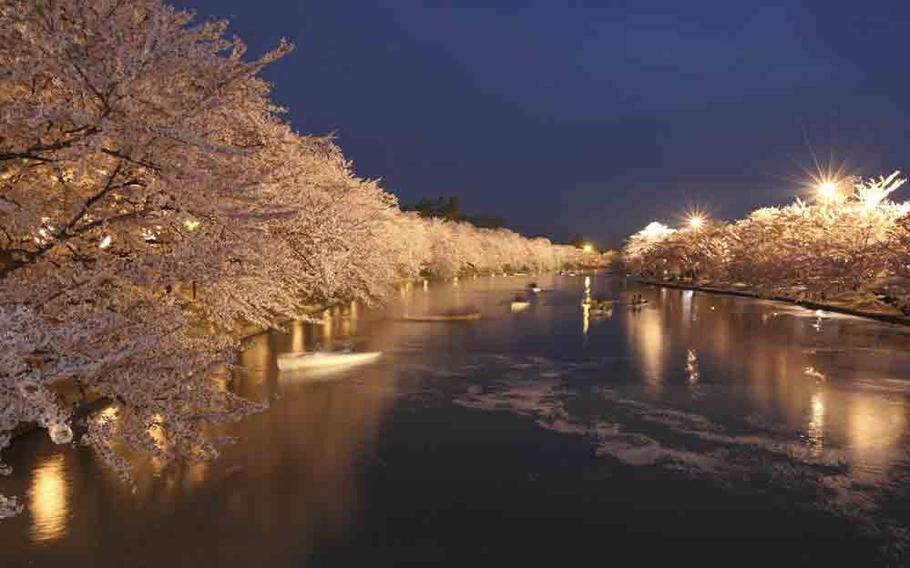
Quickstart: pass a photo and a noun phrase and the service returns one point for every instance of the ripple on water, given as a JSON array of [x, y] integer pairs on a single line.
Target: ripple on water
[[644, 432]]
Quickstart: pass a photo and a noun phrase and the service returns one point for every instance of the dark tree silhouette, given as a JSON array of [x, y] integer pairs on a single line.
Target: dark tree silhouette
[[449, 208]]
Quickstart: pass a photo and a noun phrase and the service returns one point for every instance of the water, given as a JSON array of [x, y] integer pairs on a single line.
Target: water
[[725, 429]]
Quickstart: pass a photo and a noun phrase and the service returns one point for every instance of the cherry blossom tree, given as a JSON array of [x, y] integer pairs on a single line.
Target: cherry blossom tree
[[124, 127], [843, 244], [153, 204]]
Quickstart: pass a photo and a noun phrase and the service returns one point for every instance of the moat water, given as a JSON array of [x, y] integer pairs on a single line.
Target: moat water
[[728, 430]]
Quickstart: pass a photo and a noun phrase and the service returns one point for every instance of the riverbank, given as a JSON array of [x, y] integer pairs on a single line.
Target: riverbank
[[651, 409], [889, 316], [315, 313]]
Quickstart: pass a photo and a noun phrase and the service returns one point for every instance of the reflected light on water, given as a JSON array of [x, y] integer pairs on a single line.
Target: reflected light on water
[[783, 405], [586, 307], [816, 428], [48, 499], [196, 474], [687, 307], [647, 336], [874, 431], [328, 322], [298, 337], [257, 358], [692, 366], [349, 319], [585, 318]]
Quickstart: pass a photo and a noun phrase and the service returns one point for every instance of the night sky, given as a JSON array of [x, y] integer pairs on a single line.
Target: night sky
[[592, 118]]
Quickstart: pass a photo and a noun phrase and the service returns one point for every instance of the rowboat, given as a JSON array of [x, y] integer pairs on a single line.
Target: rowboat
[[518, 306], [324, 359], [453, 317]]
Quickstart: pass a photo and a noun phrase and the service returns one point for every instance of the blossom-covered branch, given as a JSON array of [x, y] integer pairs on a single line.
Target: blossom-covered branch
[[140, 158], [851, 244]]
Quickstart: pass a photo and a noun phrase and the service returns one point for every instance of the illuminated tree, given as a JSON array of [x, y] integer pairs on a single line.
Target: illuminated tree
[[843, 244], [152, 203]]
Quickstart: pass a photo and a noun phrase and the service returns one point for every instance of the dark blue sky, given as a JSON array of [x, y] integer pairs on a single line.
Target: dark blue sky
[[592, 117]]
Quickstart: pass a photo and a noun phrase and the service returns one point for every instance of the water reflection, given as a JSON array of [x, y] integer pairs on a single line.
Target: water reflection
[[328, 322], [875, 427], [586, 308], [48, 499], [692, 385], [811, 368], [645, 331], [816, 427], [298, 339], [305, 448], [692, 366]]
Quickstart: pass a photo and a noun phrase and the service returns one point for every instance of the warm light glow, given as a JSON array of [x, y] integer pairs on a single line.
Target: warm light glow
[[327, 328], [586, 308], [692, 366], [874, 431], [827, 190], [696, 221], [643, 240], [49, 499], [816, 427], [257, 358], [646, 332], [191, 224], [588, 247], [109, 414], [298, 338]]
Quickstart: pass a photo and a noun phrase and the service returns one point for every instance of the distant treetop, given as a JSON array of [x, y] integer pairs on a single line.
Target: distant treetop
[[449, 208]]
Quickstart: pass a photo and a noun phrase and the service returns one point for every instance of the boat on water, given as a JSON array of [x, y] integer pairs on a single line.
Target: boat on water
[[324, 359], [471, 316], [519, 303]]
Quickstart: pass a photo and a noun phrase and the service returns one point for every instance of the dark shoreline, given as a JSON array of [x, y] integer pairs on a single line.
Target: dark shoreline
[[887, 318]]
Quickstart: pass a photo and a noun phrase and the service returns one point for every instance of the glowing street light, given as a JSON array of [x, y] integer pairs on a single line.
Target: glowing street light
[[696, 221], [588, 247], [827, 190]]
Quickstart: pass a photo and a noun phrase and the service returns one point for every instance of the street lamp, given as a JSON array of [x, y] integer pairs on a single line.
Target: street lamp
[[588, 247], [696, 221], [827, 190]]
